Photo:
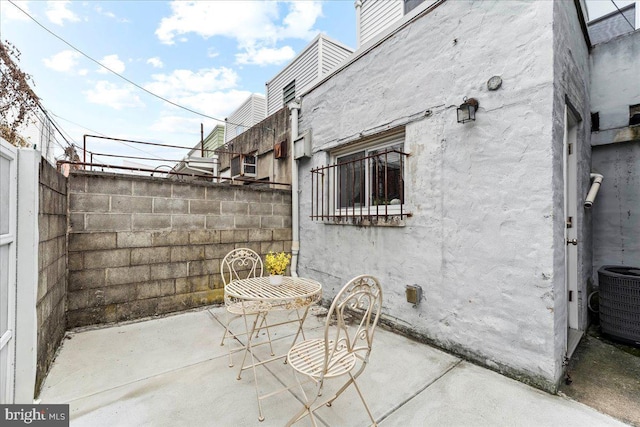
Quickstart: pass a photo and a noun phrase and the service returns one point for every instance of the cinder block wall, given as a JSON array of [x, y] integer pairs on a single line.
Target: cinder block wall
[[141, 246], [52, 266]]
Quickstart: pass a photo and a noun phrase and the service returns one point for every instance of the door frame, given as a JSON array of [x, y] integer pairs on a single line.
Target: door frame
[[571, 148], [8, 339]]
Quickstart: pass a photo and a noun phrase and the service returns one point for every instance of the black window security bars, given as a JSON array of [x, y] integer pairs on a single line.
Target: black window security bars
[[362, 186]]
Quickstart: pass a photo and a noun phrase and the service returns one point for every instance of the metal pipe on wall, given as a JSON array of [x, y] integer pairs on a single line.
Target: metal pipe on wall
[[593, 191], [294, 107]]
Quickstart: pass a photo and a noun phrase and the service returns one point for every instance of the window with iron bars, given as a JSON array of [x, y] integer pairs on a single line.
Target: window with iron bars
[[362, 184]]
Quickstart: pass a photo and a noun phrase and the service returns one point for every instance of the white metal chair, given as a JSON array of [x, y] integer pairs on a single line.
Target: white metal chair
[[242, 263], [344, 350]]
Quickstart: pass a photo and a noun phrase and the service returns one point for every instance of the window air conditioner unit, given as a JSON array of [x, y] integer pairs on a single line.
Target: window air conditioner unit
[[244, 165]]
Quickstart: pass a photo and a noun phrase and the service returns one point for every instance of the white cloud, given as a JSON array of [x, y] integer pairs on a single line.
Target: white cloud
[[300, 20], [255, 25], [155, 62], [113, 63], [182, 83], [112, 95], [245, 21], [109, 14], [64, 61], [215, 104], [266, 56], [9, 11], [176, 124], [57, 12]]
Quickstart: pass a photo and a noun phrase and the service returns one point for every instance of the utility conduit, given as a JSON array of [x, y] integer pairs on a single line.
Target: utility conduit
[[593, 191]]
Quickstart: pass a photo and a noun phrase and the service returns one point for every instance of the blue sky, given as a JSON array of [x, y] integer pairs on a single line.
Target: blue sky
[[207, 56]]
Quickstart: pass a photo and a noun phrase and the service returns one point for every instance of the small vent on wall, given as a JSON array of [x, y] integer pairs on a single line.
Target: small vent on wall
[[280, 150], [595, 122], [634, 115]]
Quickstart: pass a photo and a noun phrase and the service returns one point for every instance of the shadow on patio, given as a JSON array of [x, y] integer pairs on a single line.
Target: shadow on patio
[[171, 371]]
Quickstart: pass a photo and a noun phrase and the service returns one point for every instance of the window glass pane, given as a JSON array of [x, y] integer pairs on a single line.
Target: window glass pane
[[351, 180], [386, 183], [4, 194]]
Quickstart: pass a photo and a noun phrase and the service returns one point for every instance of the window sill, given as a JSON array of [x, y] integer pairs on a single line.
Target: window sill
[[369, 221]]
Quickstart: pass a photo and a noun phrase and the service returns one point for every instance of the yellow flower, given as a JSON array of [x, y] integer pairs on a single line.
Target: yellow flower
[[276, 263]]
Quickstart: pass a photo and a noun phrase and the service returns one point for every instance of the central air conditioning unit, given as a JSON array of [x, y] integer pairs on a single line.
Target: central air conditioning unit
[[244, 165]]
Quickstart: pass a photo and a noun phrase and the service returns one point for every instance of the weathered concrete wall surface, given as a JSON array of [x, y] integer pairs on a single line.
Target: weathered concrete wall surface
[[142, 246], [616, 152], [481, 239], [52, 268], [261, 139], [571, 83], [616, 211], [611, 96]]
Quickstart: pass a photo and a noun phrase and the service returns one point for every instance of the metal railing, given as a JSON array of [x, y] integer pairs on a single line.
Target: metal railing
[[158, 166]]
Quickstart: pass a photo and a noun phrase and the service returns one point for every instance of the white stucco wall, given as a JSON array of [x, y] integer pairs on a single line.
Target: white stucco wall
[[481, 240]]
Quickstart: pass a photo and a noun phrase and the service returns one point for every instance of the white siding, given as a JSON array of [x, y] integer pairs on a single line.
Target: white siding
[[318, 59], [332, 55], [376, 15], [248, 114], [303, 68]]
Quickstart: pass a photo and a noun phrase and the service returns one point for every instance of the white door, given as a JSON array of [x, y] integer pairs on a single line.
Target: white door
[[8, 205], [571, 229]]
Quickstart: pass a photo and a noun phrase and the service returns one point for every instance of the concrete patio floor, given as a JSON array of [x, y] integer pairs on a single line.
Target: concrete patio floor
[[171, 371]]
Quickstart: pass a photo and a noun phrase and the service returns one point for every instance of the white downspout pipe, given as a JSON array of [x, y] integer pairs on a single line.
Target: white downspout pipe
[[295, 208], [593, 191], [358, 6]]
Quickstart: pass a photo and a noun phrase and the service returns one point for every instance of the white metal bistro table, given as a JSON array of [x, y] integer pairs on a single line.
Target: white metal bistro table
[[295, 293]]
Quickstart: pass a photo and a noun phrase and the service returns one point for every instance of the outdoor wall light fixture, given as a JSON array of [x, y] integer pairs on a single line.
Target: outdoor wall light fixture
[[467, 110]]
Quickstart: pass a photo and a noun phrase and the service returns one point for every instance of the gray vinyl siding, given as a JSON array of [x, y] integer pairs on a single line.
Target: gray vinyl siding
[[248, 114], [376, 15]]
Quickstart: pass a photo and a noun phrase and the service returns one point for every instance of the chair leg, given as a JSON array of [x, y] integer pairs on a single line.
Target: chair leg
[[227, 334], [340, 391], [363, 401]]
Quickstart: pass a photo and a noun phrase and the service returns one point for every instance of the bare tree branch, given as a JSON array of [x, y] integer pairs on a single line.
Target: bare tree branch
[[17, 99]]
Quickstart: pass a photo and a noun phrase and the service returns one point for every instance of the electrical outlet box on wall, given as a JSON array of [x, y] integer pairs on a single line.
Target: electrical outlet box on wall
[[302, 146]]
